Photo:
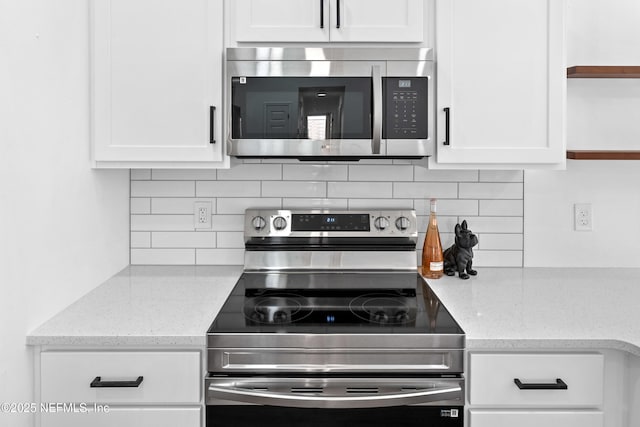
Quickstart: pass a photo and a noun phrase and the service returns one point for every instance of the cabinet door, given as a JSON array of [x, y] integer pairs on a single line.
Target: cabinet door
[[157, 71], [501, 75], [279, 20], [123, 417], [482, 418], [377, 20]]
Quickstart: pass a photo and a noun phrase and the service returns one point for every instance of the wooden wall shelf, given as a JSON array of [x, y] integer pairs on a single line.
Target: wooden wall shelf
[[603, 155], [603, 72]]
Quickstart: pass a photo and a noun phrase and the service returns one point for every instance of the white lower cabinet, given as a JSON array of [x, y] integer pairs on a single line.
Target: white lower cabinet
[[123, 388], [535, 418], [125, 417], [530, 389]]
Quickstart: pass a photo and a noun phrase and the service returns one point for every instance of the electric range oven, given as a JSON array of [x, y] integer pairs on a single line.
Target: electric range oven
[[330, 323]]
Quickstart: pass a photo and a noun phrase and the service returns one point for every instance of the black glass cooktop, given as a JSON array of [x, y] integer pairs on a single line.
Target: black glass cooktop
[[333, 302]]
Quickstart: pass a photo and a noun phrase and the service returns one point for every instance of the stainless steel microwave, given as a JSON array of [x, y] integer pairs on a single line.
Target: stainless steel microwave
[[329, 103]]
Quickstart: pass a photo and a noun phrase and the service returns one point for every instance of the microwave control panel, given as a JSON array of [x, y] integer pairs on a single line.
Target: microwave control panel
[[405, 112]]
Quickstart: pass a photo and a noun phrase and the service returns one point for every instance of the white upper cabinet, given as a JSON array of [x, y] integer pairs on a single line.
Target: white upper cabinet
[[326, 20], [157, 83], [501, 78]]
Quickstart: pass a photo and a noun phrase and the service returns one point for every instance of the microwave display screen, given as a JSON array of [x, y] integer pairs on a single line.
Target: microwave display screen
[[316, 108]]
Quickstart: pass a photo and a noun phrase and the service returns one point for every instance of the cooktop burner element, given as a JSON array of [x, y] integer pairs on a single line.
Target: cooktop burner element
[[384, 308]]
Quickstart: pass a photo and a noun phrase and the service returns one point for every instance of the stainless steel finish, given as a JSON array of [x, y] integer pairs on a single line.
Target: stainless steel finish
[[258, 223], [279, 223], [328, 54], [377, 109], [381, 223], [370, 357], [411, 233], [342, 62], [334, 392], [403, 223], [330, 260]]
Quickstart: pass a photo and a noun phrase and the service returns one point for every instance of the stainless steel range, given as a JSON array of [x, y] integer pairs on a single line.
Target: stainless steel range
[[331, 323]]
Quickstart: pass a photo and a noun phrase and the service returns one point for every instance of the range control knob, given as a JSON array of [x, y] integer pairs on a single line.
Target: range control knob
[[403, 223], [381, 223], [279, 223], [258, 223]]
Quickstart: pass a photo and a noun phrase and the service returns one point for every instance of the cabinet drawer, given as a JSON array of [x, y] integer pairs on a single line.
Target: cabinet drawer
[[535, 418], [492, 379], [168, 377], [126, 417]]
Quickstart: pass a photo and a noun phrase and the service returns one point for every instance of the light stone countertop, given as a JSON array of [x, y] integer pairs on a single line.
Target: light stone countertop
[[546, 308], [501, 308], [143, 306]]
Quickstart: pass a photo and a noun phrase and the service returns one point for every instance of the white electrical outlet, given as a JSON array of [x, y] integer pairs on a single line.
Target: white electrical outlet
[[582, 214], [202, 214]]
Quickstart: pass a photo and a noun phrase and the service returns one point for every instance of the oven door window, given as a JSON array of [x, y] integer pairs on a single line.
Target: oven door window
[[275, 416], [316, 108]]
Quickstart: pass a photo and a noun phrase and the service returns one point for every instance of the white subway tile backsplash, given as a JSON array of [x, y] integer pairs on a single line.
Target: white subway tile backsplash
[[183, 239], [162, 222], [162, 189], [140, 205], [501, 176], [231, 239], [302, 203], [183, 175], [501, 207], [500, 241], [227, 223], [491, 190], [239, 204], [424, 174], [228, 188], [219, 256], [163, 256], [497, 258], [447, 207], [425, 190], [380, 203], [490, 224], [294, 189], [140, 239], [177, 205], [366, 190], [314, 172], [140, 174], [380, 173], [249, 171]]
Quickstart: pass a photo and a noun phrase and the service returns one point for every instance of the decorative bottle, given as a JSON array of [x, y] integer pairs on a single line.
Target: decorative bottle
[[432, 258]]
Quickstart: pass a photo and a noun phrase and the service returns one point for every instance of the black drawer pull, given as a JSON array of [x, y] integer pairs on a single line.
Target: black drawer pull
[[212, 125], [558, 385], [97, 382]]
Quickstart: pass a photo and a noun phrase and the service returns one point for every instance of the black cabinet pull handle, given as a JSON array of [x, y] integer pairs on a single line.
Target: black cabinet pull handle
[[321, 13], [447, 117], [558, 385], [338, 13], [212, 125], [97, 382]]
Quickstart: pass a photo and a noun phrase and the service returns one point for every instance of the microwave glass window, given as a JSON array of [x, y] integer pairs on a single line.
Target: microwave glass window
[[301, 108]]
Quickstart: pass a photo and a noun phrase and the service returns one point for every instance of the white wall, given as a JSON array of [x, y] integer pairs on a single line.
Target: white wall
[[601, 114], [63, 226]]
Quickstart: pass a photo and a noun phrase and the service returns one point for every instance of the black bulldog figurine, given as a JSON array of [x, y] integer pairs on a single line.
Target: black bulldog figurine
[[459, 257]]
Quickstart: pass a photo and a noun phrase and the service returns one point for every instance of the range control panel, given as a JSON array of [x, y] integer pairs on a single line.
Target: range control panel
[[310, 223], [405, 108]]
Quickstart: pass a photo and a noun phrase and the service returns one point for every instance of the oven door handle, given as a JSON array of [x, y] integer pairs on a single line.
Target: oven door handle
[[293, 400]]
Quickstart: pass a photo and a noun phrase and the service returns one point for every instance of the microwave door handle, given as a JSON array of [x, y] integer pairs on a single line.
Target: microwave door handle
[[377, 109], [259, 397]]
